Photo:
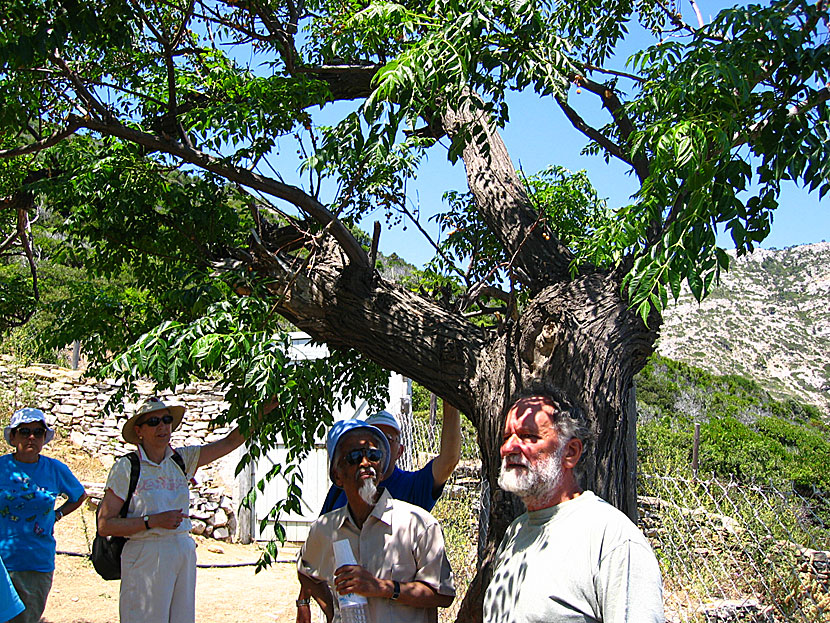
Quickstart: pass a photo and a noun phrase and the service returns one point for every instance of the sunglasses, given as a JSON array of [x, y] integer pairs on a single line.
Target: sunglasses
[[155, 420], [356, 456], [25, 432]]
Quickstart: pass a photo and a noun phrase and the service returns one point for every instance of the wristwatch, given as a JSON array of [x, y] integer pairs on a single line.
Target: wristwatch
[[303, 602], [58, 514], [396, 589], [146, 519]]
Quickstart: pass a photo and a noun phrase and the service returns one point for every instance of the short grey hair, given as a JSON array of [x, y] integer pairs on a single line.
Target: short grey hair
[[569, 419]]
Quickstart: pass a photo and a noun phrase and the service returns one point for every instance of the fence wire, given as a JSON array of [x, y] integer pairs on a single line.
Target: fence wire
[[729, 552], [736, 552]]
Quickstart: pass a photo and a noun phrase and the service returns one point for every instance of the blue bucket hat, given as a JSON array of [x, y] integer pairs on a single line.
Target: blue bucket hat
[[346, 426], [27, 415]]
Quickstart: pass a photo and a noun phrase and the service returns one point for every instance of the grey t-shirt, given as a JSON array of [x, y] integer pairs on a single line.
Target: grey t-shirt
[[579, 561]]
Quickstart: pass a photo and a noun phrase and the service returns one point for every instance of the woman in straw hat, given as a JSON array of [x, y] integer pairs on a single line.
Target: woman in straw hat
[[158, 563], [29, 485]]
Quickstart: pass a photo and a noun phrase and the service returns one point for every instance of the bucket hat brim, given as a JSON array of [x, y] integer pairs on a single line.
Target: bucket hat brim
[[28, 415], [342, 428]]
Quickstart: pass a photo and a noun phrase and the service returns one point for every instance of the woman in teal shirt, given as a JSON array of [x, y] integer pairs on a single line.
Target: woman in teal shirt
[[29, 485]]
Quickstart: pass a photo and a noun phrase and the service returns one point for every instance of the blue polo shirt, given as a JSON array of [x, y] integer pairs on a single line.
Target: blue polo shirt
[[27, 510], [413, 487]]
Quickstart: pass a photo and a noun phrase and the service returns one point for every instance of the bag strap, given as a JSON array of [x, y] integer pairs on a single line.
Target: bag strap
[[135, 470], [177, 458]]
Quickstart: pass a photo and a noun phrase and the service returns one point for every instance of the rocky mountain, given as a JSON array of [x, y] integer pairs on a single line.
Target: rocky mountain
[[768, 320]]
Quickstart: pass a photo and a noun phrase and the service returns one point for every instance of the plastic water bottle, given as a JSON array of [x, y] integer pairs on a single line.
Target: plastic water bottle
[[353, 608]]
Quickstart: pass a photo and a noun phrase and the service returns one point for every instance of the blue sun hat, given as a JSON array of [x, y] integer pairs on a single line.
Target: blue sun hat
[[346, 426], [27, 415]]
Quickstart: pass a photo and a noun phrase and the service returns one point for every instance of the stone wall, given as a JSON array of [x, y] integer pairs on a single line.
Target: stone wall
[[816, 564], [76, 407]]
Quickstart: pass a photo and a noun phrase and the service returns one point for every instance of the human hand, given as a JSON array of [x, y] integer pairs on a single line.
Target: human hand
[[303, 614], [169, 520], [355, 579]]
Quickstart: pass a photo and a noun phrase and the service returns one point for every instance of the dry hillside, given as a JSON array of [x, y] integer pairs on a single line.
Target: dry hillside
[[769, 320]]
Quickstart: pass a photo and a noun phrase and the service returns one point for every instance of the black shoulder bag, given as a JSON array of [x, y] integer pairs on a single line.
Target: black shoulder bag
[[106, 550]]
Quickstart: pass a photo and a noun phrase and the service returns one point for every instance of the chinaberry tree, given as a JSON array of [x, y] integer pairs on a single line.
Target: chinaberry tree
[[151, 135]]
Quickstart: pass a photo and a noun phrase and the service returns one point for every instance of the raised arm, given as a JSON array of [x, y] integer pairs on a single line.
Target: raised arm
[[216, 450], [450, 453]]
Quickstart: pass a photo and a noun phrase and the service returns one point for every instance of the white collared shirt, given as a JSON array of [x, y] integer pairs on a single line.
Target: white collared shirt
[[398, 541]]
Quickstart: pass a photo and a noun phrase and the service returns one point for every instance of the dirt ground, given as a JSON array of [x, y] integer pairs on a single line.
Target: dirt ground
[[226, 595]]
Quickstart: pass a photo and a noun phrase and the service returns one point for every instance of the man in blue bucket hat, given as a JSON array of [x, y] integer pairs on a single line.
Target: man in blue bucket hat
[[421, 487], [402, 567]]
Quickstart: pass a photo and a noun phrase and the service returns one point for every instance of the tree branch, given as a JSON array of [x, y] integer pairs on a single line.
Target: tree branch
[[595, 135], [614, 106], [441, 348], [22, 202], [183, 26], [613, 72], [502, 200], [83, 93], [820, 96], [345, 81], [695, 8], [291, 194], [32, 148]]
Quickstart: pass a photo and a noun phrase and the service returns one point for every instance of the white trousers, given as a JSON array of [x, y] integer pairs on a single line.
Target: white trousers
[[158, 580]]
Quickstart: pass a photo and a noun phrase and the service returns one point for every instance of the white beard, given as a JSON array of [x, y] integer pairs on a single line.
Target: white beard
[[368, 490], [538, 481]]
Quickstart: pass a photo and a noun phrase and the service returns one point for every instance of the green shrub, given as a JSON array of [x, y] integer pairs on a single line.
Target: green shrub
[[744, 433]]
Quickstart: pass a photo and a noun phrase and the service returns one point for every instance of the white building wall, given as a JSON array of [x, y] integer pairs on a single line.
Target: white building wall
[[314, 468]]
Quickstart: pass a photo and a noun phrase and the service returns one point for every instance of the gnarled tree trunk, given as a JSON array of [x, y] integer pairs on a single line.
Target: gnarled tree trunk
[[578, 333]]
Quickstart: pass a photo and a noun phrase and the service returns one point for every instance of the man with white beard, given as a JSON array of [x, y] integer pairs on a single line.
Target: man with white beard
[[572, 557], [402, 569]]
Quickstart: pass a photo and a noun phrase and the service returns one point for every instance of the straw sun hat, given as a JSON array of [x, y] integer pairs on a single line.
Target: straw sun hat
[[150, 406]]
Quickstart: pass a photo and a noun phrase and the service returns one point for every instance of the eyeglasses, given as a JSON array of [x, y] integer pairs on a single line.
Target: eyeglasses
[[155, 420], [355, 456], [25, 432]]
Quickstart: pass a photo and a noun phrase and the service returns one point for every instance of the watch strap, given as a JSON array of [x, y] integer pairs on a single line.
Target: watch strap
[[396, 589], [303, 602]]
